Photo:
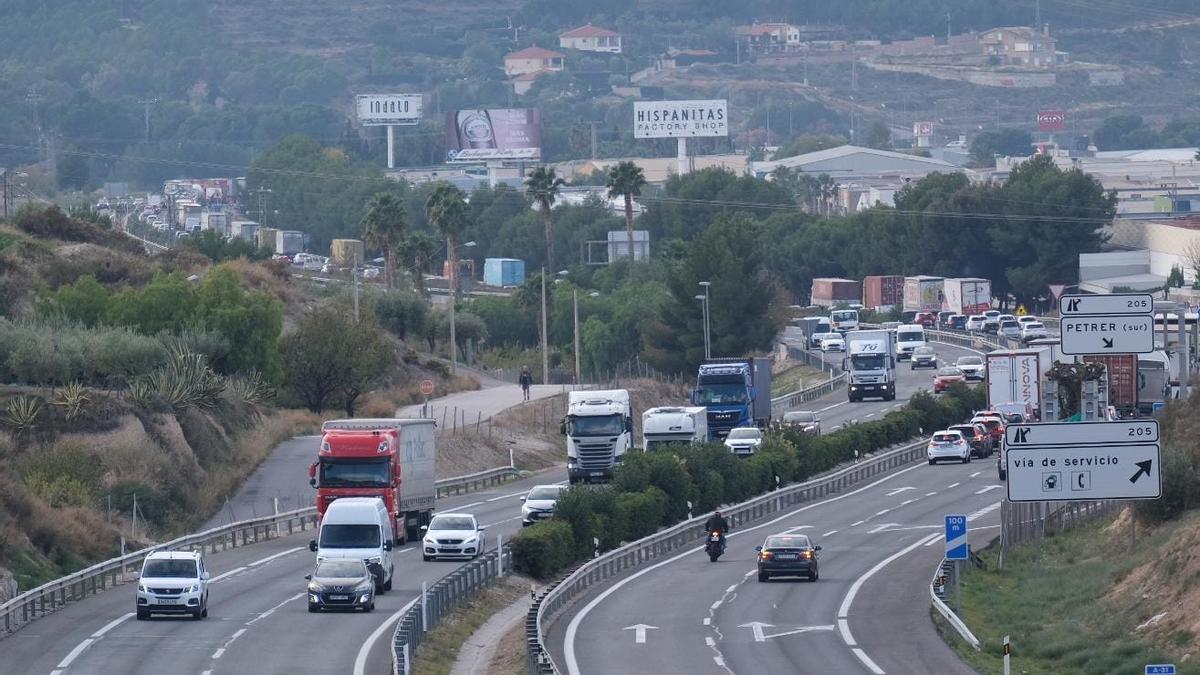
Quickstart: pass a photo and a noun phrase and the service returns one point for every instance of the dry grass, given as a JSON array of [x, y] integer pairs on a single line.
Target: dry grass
[[439, 651], [385, 402], [512, 654]]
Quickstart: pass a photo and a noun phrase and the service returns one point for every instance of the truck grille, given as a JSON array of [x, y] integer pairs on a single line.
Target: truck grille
[[595, 456]]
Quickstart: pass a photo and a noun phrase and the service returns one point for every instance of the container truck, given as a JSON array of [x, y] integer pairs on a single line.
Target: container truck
[[1122, 375], [1015, 376], [967, 296], [883, 293], [673, 424], [392, 459], [503, 272], [871, 363], [923, 294], [736, 393], [289, 242], [599, 431], [827, 292]]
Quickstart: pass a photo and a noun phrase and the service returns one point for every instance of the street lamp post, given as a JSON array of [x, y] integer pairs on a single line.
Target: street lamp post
[[453, 301], [707, 313], [575, 297]]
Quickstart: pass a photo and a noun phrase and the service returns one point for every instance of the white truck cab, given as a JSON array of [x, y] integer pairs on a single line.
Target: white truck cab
[[599, 431], [673, 424], [908, 338]]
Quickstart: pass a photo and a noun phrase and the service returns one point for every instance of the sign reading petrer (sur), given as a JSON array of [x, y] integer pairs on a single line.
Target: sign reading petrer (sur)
[[680, 119], [956, 537], [1107, 334]]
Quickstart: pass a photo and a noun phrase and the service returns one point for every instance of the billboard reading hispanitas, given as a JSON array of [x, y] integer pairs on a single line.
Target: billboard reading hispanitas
[[493, 134], [680, 119]]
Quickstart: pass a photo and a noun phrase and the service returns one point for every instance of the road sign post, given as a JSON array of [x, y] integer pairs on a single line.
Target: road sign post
[[1067, 461], [1007, 649], [956, 550]]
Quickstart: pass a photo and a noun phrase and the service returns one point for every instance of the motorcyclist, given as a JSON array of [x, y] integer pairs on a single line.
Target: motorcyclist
[[717, 523]]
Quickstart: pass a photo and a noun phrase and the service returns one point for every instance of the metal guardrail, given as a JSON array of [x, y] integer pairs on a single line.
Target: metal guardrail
[[424, 613], [658, 545], [937, 595], [782, 404], [54, 595]]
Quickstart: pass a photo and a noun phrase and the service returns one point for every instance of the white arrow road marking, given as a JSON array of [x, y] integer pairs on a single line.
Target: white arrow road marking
[[988, 488], [802, 629], [757, 627], [881, 528], [893, 493], [639, 632]]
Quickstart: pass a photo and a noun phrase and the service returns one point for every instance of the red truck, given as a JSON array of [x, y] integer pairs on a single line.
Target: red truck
[[392, 459]]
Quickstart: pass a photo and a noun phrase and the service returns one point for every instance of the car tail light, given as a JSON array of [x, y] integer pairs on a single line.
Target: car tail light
[[765, 555]]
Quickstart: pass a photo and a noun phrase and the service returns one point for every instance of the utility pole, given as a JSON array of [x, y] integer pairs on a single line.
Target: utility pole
[[4, 184], [593, 125], [262, 202], [34, 98], [354, 275], [575, 295], [453, 302], [947, 27], [545, 337], [1037, 16], [146, 103]]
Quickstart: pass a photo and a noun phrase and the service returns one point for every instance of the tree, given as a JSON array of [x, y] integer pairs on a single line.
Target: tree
[[1006, 142], [251, 320], [807, 143], [417, 249], [446, 209], [85, 301], [383, 226], [542, 187], [332, 359], [73, 169], [626, 180], [878, 136]]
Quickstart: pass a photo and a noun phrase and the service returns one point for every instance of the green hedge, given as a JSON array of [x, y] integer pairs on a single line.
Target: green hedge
[[651, 490], [543, 549]]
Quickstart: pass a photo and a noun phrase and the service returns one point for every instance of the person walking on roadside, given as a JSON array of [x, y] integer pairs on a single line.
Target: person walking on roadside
[[526, 381]]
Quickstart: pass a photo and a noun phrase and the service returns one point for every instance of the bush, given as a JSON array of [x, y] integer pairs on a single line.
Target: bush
[[64, 475], [639, 514], [401, 314], [43, 352], [543, 549], [588, 510]]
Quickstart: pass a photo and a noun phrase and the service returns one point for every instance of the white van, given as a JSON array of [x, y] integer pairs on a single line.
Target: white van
[[358, 528], [908, 338]]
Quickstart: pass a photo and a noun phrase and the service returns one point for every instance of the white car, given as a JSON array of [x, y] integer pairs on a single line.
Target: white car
[[833, 343], [453, 536], [819, 339], [1032, 330], [1027, 319], [744, 440], [971, 367], [948, 444], [539, 503], [1009, 328], [975, 323], [172, 582]]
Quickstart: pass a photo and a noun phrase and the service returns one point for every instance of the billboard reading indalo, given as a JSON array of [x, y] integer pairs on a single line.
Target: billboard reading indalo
[[377, 110], [680, 119], [493, 134]]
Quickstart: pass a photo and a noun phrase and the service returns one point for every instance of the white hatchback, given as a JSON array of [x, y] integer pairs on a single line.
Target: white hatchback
[[948, 445], [172, 582], [452, 535]]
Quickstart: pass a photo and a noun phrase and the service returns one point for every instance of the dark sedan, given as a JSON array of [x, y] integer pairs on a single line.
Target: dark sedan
[[341, 584], [787, 555]]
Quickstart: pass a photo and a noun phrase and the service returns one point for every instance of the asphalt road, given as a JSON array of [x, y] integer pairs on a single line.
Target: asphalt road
[[869, 612]]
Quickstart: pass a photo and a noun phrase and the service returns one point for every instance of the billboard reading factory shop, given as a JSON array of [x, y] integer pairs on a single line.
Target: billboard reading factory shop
[[680, 119], [493, 134], [376, 110]]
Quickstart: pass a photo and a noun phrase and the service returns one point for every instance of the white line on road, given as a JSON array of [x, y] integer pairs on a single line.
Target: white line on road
[[710, 642], [707, 621], [269, 612], [869, 415], [953, 485], [515, 494], [218, 654], [798, 528], [866, 661], [831, 532], [360, 661], [467, 506], [880, 513], [111, 625], [984, 511], [715, 605], [857, 524], [906, 502], [989, 488], [731, 588], [573, 626], [226, 575], [976, 474], [844, 629], [930, 494], [844, 610], [74, 653], [269, 558]]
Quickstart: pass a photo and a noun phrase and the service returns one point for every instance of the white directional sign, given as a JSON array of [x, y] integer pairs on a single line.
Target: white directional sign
[[1117, 303], [1082, 433], [1083, 461], [639, 632], [1107, 334]]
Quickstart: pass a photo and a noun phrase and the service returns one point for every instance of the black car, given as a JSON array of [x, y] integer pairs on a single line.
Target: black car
[[341, 584], [787, 555], [978, 436], [924, 357]]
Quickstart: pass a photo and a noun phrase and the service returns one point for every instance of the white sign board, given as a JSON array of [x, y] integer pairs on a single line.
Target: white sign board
[[1082, 433], [1119, 303], [1041, 473], [680, 119], [377, 110], [1107, 334]]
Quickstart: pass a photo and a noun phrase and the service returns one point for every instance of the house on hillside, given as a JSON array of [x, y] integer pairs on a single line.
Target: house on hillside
[[765, 38], [682, 58], [591, 38], [533, 60], [1019, 46]]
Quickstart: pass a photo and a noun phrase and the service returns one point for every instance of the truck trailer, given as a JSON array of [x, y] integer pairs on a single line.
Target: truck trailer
[[967, 296], [673, 424], [1015, 376]]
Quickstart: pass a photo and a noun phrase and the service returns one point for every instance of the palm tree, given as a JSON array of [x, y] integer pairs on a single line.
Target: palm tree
[[626, 180], [417, 250], [382, 228], [542, 187], [446, 209]]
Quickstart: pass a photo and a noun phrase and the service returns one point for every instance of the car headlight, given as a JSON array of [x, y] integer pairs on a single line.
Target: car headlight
[[314, 587], [141, 588], [376, 560], [429, 540], [193, 588], [525, 510]]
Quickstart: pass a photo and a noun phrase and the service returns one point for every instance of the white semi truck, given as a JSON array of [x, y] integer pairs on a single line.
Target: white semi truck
[[599, 431], [871, 364], [673, 424]]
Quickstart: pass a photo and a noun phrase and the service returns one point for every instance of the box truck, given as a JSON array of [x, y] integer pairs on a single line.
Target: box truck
[[871, 362], [967, 296], [673, 424], [1015, 376], [923, 294]]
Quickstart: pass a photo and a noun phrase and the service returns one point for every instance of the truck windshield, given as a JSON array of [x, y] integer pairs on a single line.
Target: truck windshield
[[845, 315], [867, 362], [350, 536], [601, 425], [355, 473], [910, 336], [717, 393]]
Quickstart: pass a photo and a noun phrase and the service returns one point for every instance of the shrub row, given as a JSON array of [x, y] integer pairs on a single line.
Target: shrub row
[[48, 352], [653, 490]]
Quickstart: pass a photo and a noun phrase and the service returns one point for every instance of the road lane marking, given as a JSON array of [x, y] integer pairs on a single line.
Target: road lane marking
[[844, 629], [709, 641], [866, 661], [74, 653], [831, 532], [573, 626], [857, 524], [906, 502], [218, 654], [976, 474], [467, 506], [989, 488], [798, 528], [269, 558], [869, 415], [984, 511], [364, 651], [930, 494], [731, 588], [715, 605], [269, 612], [111, 625], [708, 621], [226, 575], [881, 528], [844, 609], [880, 513], [952, 485], [895, 491]]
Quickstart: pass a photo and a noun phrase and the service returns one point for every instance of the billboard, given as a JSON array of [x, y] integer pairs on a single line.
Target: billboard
[[1051, 120], [923, 129], [497, 133], [680, 119], [376, 110]]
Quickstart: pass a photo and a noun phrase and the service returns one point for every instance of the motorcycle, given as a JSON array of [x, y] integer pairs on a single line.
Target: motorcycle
[[714, 547]]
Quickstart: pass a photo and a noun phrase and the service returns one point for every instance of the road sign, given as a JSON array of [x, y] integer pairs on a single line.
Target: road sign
[[1082, 433], [427, 387], [1160, 669], [1054, 119], [1107, 334], [1116, 303], [956, 537], [1063, 473], [1056, 290]]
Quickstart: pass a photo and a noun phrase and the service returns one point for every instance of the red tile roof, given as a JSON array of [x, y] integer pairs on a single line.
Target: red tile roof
[[589, 31], [534, 53]]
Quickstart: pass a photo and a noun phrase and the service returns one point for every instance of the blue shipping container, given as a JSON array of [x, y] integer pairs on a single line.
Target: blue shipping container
[[503, 272]]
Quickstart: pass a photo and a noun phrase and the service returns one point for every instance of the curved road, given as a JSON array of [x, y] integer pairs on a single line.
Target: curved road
[[258, 618]]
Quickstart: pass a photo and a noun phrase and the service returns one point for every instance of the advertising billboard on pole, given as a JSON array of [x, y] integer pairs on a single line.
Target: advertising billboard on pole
[[1051, 120], [377, 110], [493, 134], [680, 119]]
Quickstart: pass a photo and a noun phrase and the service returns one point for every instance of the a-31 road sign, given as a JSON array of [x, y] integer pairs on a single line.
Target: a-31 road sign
[[1160, 669], [1125, 304], [956, 537], [1107, 334]]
